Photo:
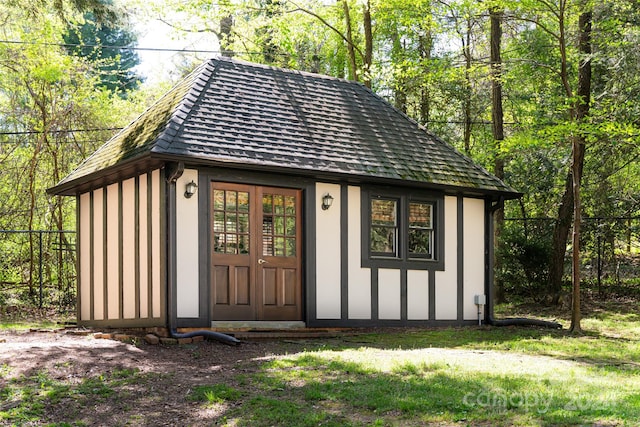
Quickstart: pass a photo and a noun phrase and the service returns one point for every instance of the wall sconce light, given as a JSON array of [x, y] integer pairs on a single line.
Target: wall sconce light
[[190, 189], [327, 201]]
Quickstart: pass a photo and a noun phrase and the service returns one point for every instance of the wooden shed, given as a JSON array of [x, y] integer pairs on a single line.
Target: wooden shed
[[249, 195]]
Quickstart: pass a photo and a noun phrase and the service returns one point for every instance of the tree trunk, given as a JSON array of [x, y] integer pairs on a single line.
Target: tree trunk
[[353, 66], [368, 44], [578, 148], [225, 38], [466, 50], [497, 120]]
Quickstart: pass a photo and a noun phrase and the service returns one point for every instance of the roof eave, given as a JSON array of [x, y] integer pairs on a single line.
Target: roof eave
[[104, 177], [354, 178]]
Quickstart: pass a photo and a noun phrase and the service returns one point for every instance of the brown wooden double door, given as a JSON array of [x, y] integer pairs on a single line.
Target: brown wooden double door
[[256, 258]]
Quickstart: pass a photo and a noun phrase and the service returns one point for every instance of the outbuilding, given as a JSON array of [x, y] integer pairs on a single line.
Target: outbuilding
[[257, 196]]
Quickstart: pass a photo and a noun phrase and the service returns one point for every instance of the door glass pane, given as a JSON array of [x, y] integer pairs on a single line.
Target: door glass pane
[[279, 225], [291, 247], [267, 203], [291, 226], [278, 204], [243, 202], [279, 246], [231, 222], [290, 205], [243, 223], [218, 200], [231, 200]]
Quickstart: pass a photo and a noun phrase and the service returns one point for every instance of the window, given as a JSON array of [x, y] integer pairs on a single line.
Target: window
[[420, 239], [384, 227], [402, 228]]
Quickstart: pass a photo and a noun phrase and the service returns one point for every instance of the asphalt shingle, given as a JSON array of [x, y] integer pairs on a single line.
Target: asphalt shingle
[[241, 113]]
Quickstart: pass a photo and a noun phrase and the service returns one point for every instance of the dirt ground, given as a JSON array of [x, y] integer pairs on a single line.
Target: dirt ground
[[164, 376]]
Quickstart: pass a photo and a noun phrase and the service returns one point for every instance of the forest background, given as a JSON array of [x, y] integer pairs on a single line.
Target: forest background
[[543, 93]]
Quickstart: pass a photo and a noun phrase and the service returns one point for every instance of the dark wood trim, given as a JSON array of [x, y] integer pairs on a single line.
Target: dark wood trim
[[105, 257], [120, 254], [344, 252], [374, 294], [170, 245], [432, 295], [78, 259], [91, 260], [366, 323], [136, 262], [489, 259], [163, 236], [460, 257], [204, 261], [403, 294], [404, 197], [309, 257], [149, 244]]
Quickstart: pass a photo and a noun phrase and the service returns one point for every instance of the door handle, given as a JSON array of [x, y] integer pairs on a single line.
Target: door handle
[[261, 261]]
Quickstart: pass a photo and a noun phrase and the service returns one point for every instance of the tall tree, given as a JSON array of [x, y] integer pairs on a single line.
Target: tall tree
[[578, 144], [106, 46], [497, 122]]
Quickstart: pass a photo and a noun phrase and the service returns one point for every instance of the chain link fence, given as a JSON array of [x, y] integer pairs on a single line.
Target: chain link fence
[[37, 270]]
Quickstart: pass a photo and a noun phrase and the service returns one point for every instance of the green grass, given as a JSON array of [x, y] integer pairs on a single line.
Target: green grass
[[26, 399], [487, 376], [212, 394], [464, 376]]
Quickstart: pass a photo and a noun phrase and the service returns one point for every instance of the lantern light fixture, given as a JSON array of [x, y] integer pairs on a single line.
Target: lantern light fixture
[[327, 201], [190, 189]]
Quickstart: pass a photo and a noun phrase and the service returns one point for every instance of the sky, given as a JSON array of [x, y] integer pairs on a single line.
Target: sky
[[157, 66]]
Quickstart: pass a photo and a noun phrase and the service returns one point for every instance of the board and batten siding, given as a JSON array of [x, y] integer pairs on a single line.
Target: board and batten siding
[[348, 294], [121, 281]]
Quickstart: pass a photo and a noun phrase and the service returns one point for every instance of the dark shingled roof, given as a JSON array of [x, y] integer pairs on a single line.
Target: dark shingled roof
[[238, 113]]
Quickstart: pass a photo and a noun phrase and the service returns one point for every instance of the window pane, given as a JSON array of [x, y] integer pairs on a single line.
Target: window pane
[[279, 223], [231, 200], [420, 242], [231, 223], [218, 222], [290, 203], [278, 204], [243, 202], [420, 215], [243, 223], [383, 212], [291, 247], [279, 246], [383, 240], [218, 200], [267, 203], [243, 245], [291, 226]]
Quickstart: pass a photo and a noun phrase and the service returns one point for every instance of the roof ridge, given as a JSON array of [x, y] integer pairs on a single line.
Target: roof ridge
[[285, 70]]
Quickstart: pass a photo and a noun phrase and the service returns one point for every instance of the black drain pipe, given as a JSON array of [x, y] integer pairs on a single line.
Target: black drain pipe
[[173, 172], [489, 275]]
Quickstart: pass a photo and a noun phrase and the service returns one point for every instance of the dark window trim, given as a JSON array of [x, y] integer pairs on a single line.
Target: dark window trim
[[404, 197]]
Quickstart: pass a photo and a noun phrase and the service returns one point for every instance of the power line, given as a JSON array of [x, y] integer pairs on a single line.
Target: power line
[[100, 46], [39, 132]]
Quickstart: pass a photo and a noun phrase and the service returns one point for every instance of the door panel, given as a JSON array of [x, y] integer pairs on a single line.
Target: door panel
[[256, 253], [233, 286], [280, 257]]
